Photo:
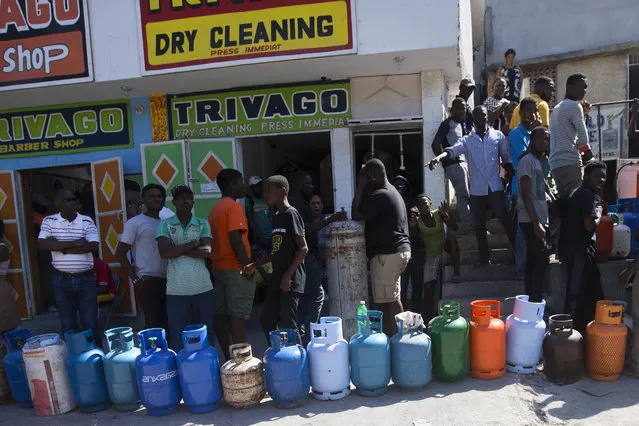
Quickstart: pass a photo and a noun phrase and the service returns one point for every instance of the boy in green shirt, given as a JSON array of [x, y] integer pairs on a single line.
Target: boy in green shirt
[[185, 240], [429, 225]]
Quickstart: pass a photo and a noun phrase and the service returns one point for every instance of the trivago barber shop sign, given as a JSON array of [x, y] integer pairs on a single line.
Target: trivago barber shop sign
[[195, 34], [65, 129], [44, 42], [255, 111]]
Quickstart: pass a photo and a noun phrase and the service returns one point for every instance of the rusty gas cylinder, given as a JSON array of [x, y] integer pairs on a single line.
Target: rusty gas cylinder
[[243, 378], [346, 267]]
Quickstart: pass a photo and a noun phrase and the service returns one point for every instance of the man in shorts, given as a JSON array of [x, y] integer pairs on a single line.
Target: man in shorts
[[378, 203], [233, 270]]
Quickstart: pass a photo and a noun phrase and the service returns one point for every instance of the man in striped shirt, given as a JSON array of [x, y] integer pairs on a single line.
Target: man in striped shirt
[[72, 238], [569, 137]]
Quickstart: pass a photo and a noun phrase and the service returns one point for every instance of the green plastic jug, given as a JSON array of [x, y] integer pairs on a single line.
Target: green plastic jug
[[449, 335]]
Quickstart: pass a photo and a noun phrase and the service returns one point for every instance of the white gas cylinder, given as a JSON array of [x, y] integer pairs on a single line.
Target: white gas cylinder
[[621, 241], [328, 359]]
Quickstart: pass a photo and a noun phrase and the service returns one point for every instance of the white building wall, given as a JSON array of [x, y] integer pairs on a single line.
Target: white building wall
[[343, 173], [398, 25], [607, 77], [433, 101], [543, 28]]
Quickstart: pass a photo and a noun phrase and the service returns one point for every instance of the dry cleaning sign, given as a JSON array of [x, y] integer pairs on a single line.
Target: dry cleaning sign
[[195, 34], [255, 111]]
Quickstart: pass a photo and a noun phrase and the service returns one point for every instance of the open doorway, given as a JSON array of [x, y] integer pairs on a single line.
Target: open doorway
[[401, 153], [293, 156], [39, 189]]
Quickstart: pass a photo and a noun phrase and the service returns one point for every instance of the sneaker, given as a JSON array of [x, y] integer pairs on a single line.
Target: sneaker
[[456, 279]]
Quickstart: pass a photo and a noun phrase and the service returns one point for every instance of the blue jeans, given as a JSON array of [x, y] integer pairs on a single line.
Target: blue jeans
[[520, 253], [75, 294], [313, 298], [179, 310]]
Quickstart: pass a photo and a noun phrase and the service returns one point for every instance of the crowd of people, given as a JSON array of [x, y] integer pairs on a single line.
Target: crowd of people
[[511, 157], [503, 156]]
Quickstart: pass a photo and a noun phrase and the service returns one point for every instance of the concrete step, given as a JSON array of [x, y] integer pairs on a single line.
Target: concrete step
[[480, 289], [493, 272], [497, 255], [506, 306], [495, 241]]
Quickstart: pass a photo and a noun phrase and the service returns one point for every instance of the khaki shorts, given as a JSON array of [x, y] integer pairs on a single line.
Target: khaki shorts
[[233, 294], [386, 271]]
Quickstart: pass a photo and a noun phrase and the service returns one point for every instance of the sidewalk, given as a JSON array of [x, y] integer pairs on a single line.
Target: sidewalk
[[512, 400]]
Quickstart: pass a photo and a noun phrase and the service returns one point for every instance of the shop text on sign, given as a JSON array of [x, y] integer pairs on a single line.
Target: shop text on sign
[[65, 129], [43, 42], [193, 34], [255, 111]]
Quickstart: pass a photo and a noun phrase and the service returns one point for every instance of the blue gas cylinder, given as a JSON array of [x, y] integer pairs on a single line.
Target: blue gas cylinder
[[286, 367], [85, 368], [199, 370], [370, 355], [411, 352], [14, 366], [119, 369], [631, 220], [157, 373], [525, 331]]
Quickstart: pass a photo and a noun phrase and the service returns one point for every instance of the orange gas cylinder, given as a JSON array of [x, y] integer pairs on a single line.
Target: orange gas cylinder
[[487, 340], [606, 342], [604, 233]]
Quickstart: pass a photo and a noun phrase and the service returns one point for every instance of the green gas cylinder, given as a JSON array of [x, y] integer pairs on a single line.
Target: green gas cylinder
[[449, 335]]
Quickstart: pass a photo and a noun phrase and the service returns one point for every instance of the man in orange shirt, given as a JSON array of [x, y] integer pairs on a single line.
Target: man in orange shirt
[[233, 269]]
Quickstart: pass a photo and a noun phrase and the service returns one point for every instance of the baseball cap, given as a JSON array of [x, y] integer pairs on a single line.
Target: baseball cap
[[180, 189], [468, 82], [255, 180]]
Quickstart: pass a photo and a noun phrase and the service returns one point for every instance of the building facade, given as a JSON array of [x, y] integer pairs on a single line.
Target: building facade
[[171, 91]]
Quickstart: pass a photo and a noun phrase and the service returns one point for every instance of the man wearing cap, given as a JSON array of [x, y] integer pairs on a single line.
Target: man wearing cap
[[449, 133], [466, 89], [258, 214], [185, 240]]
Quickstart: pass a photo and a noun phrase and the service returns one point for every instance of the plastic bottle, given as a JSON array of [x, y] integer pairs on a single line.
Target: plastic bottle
[[362, 312]]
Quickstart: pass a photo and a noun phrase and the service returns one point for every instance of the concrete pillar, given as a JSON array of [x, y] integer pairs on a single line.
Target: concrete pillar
[[343, 173], [433, 110]]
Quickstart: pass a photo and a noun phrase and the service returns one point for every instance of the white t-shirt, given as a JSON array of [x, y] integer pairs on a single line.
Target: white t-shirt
[[166, 213], [62, 230], [140, 233]]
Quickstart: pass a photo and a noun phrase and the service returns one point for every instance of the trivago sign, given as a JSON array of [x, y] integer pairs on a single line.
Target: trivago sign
[[65, 129], [255, 111], [44, 42], [194, 34]]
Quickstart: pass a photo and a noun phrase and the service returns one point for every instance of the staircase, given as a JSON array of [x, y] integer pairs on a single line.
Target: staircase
[[495, 281]]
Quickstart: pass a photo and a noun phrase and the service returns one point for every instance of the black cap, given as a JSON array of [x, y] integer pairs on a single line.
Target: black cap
[[181, 189]]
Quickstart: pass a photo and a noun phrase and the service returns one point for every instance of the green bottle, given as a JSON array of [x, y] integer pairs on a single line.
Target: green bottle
[[449, 335], [362, 316]]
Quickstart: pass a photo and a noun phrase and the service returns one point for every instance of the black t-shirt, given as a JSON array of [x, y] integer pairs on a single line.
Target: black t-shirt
[[469, 116], [286, 226], [574, 237], [386, 229], [302, 206], [451, 132]]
